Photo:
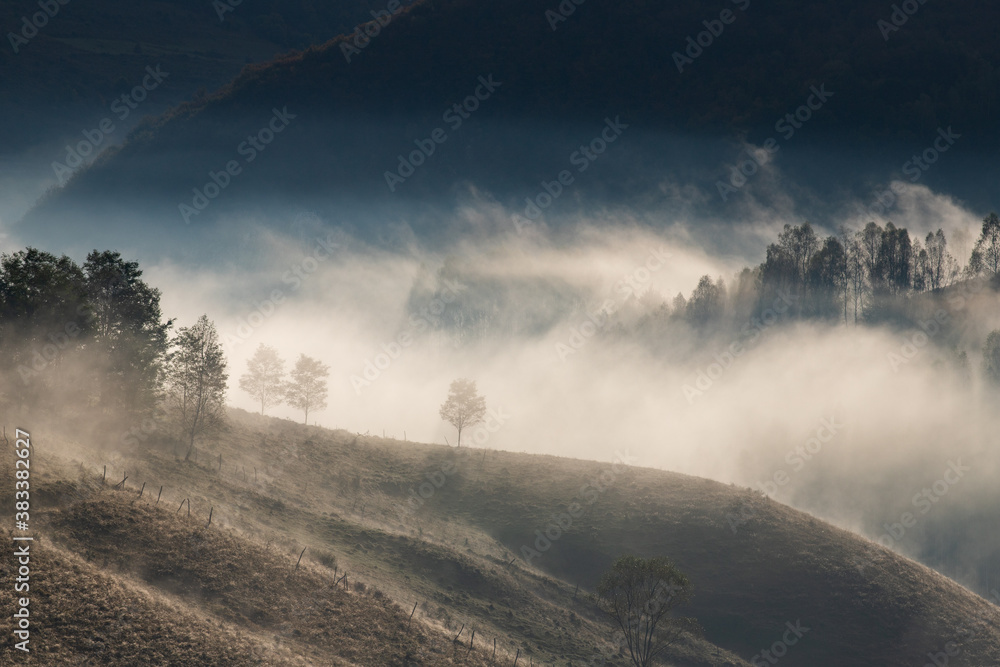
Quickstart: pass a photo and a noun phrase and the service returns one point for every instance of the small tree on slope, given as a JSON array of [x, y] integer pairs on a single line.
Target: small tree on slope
[[197, 379], [307, 390], [639, 595], [464, 407], [264, 379]]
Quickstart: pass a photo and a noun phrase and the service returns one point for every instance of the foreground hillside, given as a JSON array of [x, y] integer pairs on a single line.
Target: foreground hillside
[[462, 555]]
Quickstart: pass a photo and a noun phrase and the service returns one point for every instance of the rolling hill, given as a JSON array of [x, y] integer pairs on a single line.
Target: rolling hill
[[462, 557]]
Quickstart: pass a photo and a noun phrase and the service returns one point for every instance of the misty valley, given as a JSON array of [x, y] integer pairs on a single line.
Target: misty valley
[[430, 333]]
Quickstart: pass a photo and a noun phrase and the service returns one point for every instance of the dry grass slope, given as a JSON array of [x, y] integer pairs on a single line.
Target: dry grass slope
[[458, 556]]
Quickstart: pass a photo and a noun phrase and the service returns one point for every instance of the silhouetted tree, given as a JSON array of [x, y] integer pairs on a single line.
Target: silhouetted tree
[[464, 407], [264, 379], [706, 302], [44, 319], [128, 334], [307, 390], [826, 278], [786, 265], [920, 267], [942, 267], [799, 244], [895, 258], [639, 596], [857, 276], [870, 239], [196, 376], [678, 306], [986, 254]]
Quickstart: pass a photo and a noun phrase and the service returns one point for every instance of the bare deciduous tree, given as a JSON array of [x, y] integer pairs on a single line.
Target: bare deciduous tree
[[197, 379]]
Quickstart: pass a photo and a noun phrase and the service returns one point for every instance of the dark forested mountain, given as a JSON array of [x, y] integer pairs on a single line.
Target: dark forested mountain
[[98, 51], [516, 89]]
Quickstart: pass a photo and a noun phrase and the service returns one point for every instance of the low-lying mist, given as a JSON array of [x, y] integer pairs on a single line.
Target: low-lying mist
[[564, 323], [882, 430]]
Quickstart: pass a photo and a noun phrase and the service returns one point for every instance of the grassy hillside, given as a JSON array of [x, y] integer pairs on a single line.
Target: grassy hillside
[[83, 614], [459, 557]]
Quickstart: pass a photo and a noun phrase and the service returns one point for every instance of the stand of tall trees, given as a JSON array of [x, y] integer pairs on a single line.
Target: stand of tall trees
[[90, 342], [857, 276], [85, 338]]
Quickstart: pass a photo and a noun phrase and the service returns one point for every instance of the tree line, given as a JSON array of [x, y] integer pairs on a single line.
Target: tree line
[[90, 342], [856, 276]]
